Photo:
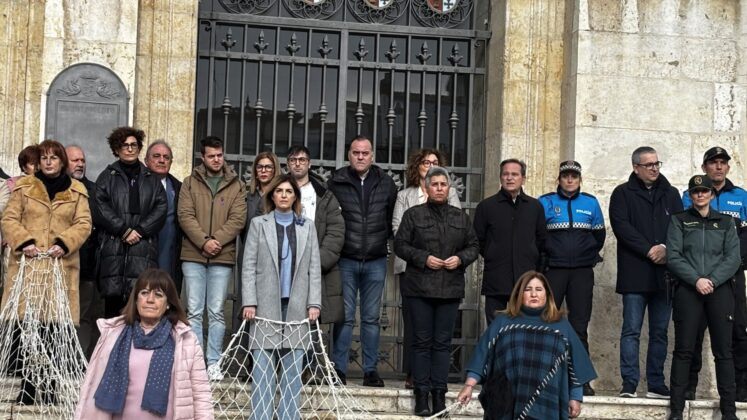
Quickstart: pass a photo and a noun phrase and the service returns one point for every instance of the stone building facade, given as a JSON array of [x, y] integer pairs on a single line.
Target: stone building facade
[[583, 79]]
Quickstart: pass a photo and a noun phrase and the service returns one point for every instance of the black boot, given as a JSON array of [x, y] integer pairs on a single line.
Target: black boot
[[421, 403], [438, 399], [741, 387]]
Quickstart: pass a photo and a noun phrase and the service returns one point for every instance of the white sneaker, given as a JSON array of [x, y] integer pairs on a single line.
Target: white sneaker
[[214, 373]]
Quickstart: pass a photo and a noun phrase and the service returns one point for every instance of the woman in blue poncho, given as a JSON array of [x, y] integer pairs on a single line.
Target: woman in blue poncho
[[530, 362]]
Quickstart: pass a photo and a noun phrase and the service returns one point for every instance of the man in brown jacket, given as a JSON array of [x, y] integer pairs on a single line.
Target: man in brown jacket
[[211, 212]]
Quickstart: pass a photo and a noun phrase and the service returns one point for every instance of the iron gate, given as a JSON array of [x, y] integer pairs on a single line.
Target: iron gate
[[407, 73]]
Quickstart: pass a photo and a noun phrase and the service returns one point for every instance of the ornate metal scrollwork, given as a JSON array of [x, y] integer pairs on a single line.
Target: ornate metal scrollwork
[[255, 7], [441, 13], [377, 11], [313, 9], [89, 84]]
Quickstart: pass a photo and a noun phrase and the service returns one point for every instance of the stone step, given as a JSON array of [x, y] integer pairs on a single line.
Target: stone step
[[393, 402]]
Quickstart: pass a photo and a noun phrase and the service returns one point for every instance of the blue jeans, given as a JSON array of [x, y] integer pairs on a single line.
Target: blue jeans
[[367, 277], [264, 384], [659, 312], [207, 284]]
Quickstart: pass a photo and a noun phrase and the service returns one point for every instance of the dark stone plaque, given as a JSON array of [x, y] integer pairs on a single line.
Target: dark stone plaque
[[85, 102]]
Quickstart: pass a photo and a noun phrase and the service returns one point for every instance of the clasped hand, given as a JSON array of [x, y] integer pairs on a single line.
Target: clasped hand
[[54, 251], [435, 263]]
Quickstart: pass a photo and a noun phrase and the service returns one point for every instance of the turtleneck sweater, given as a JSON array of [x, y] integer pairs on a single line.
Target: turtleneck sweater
[[285, 219], [54, 185]]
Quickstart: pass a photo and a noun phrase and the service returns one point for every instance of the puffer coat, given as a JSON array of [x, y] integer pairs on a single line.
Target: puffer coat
[[119, 264], [189, 381], [31, 216]]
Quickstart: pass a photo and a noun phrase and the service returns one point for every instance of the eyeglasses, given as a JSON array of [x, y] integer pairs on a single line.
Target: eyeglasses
[[299, 160], [428, 163], [650, 166], [130, 146], [265, 168]]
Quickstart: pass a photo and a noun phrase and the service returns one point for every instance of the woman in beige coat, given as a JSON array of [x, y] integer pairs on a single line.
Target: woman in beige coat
[[47, 213]]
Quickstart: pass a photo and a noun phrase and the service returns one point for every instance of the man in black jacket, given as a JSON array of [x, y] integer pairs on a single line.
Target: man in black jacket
[[367, 196], [510, 226], [158, 158], [640, 211], [91, 304]]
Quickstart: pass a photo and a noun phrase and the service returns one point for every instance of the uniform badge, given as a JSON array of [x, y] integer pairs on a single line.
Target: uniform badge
[[697, 180], [557, 210]]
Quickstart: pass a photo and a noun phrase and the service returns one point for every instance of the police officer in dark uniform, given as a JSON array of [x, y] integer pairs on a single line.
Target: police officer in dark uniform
[[703, 255], [730, 200], [575, 235]]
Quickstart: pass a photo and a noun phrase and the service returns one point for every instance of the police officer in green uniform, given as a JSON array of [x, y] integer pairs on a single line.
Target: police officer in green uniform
[[703, 254]]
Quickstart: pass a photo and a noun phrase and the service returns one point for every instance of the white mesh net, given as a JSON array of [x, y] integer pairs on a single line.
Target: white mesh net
[[266, 378], [280, 370], [41, 363]]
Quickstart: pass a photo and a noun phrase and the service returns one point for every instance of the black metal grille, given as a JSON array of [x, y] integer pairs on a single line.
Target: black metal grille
[[276, 73]]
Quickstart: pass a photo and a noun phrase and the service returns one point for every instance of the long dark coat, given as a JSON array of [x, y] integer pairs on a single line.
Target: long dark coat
[[640, 218], [120, 264]]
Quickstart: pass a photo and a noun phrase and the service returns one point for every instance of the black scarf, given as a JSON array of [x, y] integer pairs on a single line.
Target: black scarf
[[132, 170], [54, 185]]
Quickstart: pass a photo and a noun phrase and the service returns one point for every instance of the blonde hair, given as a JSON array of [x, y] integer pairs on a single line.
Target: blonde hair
[[254, 182], [513, 309]]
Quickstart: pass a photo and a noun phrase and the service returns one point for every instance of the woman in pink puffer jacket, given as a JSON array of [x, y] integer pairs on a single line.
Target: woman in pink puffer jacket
[[147, 363]]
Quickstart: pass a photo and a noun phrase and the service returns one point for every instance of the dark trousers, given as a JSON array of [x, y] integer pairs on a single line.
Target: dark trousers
[[576, 287], [407, 337], [689, 308], [739, 339], [433, 326], [91, 309], [494, 304]]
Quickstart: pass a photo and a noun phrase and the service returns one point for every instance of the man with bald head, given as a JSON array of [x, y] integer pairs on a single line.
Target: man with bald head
[[91, 305]]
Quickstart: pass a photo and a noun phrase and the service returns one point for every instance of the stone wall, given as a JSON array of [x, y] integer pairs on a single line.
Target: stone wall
[[664, 73], [149, 44], [21, 68]]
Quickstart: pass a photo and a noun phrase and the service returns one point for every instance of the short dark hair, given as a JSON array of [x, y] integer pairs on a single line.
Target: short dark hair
[[518, 162], [118, 137], [269, 205], [295, 150], [29, 154], [154, 278], [56, 148], [635, 158], [210, 141], [412, 175], [360, 137]]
